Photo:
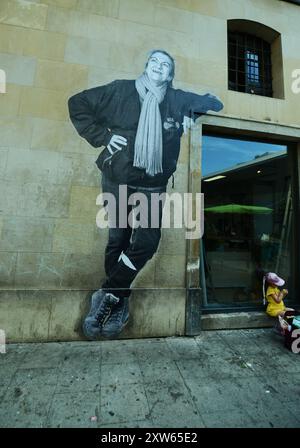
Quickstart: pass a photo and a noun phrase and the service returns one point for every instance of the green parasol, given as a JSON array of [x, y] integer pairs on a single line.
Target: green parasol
[[236, 208]]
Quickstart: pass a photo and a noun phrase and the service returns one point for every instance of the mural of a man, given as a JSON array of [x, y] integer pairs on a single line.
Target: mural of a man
[[140, 123]]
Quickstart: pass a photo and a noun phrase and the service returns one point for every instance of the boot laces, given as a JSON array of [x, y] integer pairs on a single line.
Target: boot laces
[[104, 312]]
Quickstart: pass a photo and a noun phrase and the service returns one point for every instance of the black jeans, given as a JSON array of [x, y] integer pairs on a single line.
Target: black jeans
[[129, 247]]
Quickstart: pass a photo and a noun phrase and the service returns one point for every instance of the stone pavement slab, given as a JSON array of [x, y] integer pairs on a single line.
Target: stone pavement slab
[[219, 379]]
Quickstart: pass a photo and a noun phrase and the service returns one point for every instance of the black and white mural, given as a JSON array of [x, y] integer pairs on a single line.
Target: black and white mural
[[139, 123]]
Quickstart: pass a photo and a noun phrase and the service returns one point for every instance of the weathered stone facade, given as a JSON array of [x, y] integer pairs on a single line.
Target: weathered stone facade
[[51, 252]]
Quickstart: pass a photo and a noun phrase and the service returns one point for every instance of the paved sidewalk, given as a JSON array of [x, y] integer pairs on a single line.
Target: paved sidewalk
[[232, 378]]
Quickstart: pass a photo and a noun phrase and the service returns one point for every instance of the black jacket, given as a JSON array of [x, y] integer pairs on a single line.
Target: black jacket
[[100, 112]]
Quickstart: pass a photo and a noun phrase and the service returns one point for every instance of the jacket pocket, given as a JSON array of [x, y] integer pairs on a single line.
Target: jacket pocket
[[119, 166]]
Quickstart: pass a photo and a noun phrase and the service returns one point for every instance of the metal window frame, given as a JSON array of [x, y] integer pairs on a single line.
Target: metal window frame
[[248, 129], [295, 262]]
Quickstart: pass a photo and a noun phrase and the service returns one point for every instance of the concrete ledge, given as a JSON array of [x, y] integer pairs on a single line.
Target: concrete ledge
[[56, 315], [230, 321]]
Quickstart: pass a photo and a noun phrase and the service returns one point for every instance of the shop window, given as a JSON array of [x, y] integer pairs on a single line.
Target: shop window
[[248, 219]]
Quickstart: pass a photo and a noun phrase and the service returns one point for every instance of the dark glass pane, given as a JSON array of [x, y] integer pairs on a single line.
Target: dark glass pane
[[248, 216], [232, 63]]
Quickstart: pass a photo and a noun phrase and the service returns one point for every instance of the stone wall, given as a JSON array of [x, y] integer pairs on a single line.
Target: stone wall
[[51, 49]]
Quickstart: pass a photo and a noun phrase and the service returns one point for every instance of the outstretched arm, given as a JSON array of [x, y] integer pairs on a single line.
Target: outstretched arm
[[203, 103], [194, 103]]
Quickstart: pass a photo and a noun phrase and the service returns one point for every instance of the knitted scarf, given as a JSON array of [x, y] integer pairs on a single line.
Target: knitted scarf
[[148, 141]]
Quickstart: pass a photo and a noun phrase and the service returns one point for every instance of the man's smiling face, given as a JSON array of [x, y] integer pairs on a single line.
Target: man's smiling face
[[159, 68]]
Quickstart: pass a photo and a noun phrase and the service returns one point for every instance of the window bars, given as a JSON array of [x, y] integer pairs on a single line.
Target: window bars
[[249, 64]]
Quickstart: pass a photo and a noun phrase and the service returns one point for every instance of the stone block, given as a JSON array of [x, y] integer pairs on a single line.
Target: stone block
[[135, 35], [58, 20], [25, 315], [255, 107], [68, 4], [79, 24], [9, 105], [173, 242], [142, 11], [39, 270], [44, 200], [100, 242], [254, 319], [81, 50], [99, 28], [32, 166], [176, 213], [23, 13], [131, 59], [184, 155], [7, 267], [11, 39], [66, 315], [269, 18], [83, 271], [71, 142], [11, 64], [173, 19], [291, 23], [93, 26], [170, 271], [1, 225], [209, 32], [47, 134], [78, 169], [209, 73], [84, 146], [3, 161], [26, 234], [73, 236], [70, 78], [83, 203], [290, 64], [288, 112], [10, 197], [146, 278], [44, 44], [36, 102], [56, 315], [109, 8], [211, 8], [155, 313], [220, 8], [143, 37], [98, 76], [180, 179], [52, 270], [15, 132]]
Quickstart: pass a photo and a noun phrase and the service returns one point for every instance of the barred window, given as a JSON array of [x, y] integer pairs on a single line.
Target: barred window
[[249, 64]]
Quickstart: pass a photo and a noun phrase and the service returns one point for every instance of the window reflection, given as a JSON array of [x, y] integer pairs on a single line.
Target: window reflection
[[248, 218]]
